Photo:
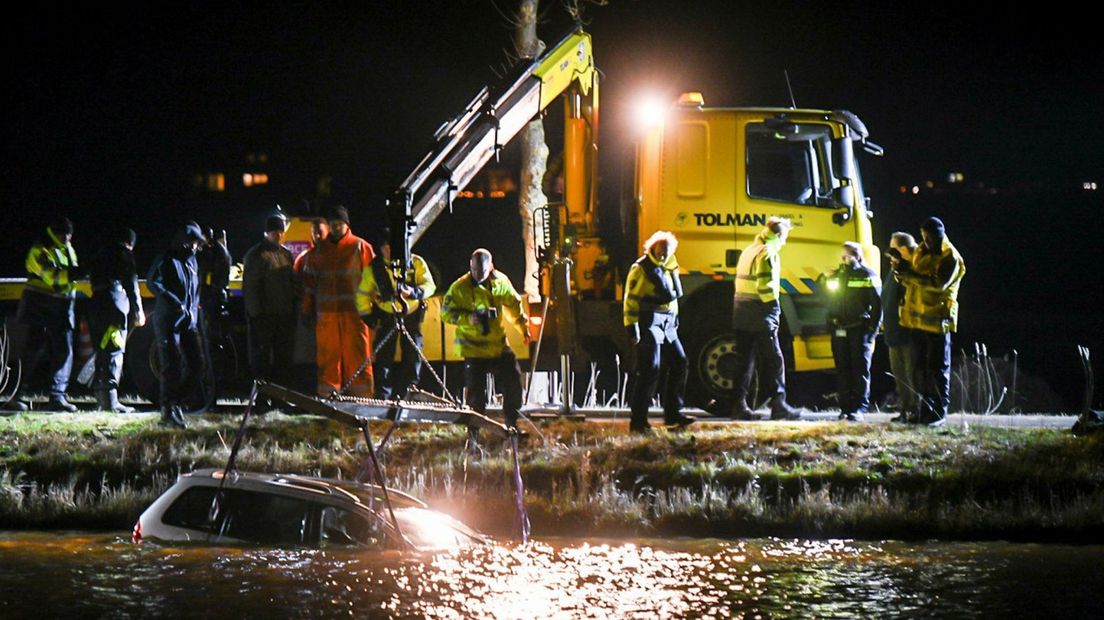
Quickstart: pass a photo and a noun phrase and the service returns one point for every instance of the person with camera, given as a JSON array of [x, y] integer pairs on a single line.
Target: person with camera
[[854, 315], [383, 304], [898, 339], [476, 304], [652, 291], [932, 279]]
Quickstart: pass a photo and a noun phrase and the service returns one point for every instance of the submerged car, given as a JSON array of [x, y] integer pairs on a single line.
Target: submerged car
[[292, 510]]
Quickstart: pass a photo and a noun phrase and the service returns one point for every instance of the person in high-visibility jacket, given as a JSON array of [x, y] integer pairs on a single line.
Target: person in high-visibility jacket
[[378, 304], [330, 274], [932, 279], [756, 317], [652, 291], [854, 315], [476, 304], [46, 309]]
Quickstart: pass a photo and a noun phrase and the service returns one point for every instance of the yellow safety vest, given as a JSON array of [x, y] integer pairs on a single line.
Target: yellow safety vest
[[759, 270], [368, 293], [48, 265], [640, 290], [931, 305], [462, 301]]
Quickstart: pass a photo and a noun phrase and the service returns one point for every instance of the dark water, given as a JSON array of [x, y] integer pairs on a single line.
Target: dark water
[[78, 575]]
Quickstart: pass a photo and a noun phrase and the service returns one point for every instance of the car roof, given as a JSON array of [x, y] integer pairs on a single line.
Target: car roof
[[341, 490]]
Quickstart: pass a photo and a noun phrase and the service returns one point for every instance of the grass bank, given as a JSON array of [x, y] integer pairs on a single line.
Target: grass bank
[[801, 479]]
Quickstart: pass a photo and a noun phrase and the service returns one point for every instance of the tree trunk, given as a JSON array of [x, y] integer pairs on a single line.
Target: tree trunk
[[534, 152]]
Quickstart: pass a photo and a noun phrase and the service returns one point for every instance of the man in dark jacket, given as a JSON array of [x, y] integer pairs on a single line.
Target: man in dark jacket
[[268, 286], [116, 305], [899, 339], [46, 309], [854, 315], [174, 280]]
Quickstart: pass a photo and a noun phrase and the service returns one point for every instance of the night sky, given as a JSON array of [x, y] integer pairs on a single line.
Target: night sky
[[111, 111]]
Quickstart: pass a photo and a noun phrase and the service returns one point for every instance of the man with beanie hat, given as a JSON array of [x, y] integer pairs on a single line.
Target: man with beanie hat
[[115, 307], [174, 280], [268, 288], [330, 274], [930, 308], [756, 318], [46, 309]]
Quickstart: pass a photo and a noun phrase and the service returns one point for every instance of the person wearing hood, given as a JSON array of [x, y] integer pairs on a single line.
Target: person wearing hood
[[756, 318], [330, 274], [930, 309], [174, 280], [115, 309], [46, 309], [652, 291], [268, 289]]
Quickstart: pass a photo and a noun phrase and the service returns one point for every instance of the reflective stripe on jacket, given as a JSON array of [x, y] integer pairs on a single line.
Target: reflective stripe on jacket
[[330, 274], [370, 295], [48, 264], [854, 298], [462, 301], [651, 288], [931, 295], [759, 270]]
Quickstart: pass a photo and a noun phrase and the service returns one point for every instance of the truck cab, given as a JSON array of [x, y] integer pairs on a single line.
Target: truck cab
[[713, 176]]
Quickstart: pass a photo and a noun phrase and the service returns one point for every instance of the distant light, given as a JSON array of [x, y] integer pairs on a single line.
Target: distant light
[[833, 284], [255, 178], [956, 177], [1089, 186], [650, 113], [691, 99], [929, 184], [904, 190], [916, 189]]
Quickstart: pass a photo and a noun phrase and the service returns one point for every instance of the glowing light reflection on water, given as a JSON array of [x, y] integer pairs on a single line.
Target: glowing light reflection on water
[[83, 575]]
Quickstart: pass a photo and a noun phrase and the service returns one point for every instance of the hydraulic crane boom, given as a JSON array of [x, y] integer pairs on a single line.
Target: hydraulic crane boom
[[467, 142]]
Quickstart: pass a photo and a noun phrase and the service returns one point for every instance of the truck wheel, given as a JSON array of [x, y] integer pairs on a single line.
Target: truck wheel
[[141, 365], [705, 329]]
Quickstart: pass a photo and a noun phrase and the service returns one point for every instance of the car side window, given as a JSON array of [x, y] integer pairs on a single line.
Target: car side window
[[345, 528], [191, 509], [251, 516], [264, 518]]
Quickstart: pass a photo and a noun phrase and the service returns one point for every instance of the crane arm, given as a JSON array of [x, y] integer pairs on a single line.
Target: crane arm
[[467, 142]]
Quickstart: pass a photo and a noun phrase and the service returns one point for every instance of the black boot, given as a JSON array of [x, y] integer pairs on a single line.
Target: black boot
[[103, 402], [19, 402], [781, 410], [115, 405], [679, 420], [172, 416], [59, 403], [740, 411]]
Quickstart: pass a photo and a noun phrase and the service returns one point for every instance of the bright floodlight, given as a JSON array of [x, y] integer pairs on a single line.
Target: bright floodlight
[[650, 112]]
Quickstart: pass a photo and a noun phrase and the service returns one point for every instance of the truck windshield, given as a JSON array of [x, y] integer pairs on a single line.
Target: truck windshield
[[790, 163]]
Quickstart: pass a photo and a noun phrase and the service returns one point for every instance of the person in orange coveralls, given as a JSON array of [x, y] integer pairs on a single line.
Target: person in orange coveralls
[[330, 274]]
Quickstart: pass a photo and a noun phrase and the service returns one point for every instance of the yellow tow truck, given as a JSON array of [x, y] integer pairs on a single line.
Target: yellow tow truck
[[711, 175]]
